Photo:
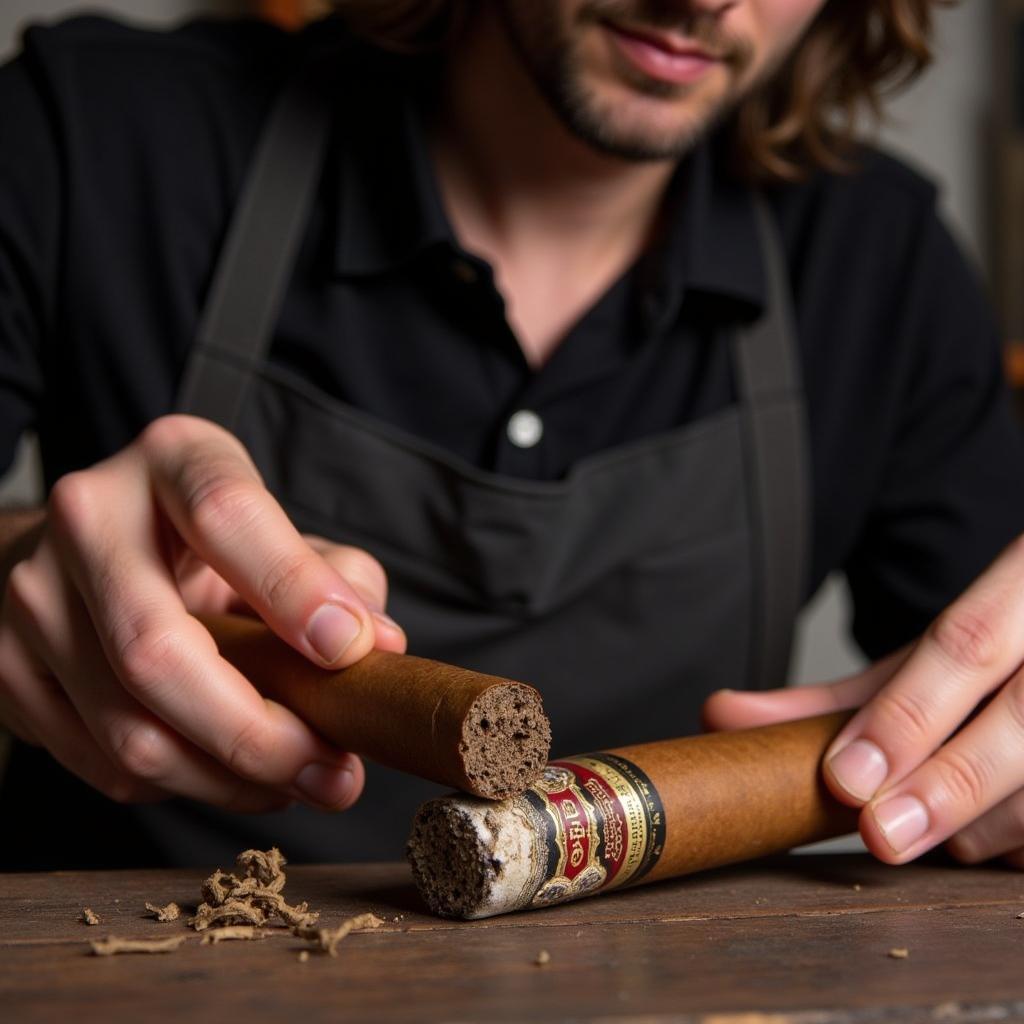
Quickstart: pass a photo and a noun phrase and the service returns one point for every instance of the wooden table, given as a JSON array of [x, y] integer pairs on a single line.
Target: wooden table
[[800, 939]]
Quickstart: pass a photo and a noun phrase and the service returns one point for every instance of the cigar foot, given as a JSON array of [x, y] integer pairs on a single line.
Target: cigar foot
[[505, 740], [471, 858]]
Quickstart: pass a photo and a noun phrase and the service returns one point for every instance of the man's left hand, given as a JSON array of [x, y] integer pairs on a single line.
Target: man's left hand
[[936, 751]]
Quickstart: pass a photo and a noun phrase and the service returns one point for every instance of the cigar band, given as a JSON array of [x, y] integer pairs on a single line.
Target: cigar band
[[599, 824]]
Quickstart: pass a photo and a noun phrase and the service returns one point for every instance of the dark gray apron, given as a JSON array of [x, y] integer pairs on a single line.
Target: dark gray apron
[[653, 574]]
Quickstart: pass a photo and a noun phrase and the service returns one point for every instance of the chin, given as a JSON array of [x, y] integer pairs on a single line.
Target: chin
[[642, 128]]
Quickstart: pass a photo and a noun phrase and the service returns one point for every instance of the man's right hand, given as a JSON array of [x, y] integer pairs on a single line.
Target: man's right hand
[[104, 665]]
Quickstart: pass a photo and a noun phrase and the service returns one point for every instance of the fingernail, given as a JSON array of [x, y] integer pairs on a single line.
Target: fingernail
[[327, 785], [331, 631], [386, 620], [902, 821], [860, 769]]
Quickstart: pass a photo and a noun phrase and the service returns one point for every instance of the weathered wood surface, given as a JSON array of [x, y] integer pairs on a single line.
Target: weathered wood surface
[[789, 939]]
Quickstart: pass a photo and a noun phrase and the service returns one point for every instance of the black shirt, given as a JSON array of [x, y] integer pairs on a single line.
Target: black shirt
[[121, 156]]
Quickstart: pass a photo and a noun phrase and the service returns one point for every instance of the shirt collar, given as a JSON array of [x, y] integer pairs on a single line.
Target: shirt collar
[[389, 207], [710, 248]]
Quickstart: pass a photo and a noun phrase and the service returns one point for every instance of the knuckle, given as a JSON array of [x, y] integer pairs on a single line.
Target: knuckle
[[965, 778], [164, 434], [169, 434], [147, 656], [285, 576], [72, 503], [906, 715], [140, 750], [221, 504], [251, 750], [122, 790], [966, 639]]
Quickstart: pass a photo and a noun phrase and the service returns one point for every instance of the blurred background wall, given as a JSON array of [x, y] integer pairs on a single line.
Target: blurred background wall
[[943, 124]]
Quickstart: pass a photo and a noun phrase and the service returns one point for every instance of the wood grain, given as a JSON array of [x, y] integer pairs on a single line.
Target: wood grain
[[789, 937]]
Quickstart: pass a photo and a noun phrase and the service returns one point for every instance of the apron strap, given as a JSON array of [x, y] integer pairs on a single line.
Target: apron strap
[[259, 254], [767, 364]]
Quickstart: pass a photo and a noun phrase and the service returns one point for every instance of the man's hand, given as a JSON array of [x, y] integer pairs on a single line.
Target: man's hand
[[898, 756], [102, 662]]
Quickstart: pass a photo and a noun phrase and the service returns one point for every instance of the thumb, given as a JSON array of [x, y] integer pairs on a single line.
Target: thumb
[[726, 710]]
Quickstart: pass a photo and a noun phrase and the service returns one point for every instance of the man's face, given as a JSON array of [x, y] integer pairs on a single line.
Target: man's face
[[643, 78]]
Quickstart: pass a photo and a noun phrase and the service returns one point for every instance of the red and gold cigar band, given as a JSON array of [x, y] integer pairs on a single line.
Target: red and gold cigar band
[[601, 823]]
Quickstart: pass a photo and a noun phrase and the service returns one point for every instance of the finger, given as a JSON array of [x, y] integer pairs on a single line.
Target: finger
[[209, 488], [970, 650], [972, 773], [1015, 859], [14, 662], [734, 709], [369, 580], [999, 831], [12, 723], [40, 702], [139, 746], [164, 657]]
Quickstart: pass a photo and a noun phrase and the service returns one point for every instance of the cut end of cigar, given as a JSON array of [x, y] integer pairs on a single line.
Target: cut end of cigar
[[471, 858], [506, 738]]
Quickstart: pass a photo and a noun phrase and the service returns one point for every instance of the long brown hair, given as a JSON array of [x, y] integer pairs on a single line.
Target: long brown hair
[[806, 116]]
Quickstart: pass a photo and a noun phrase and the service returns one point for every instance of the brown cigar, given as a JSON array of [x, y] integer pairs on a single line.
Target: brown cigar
[[629, 816], [486, 735]]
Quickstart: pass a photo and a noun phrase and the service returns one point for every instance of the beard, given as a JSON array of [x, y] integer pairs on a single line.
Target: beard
[[551, 53]]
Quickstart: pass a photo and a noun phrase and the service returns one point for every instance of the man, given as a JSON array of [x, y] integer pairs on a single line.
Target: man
[[535, 370]]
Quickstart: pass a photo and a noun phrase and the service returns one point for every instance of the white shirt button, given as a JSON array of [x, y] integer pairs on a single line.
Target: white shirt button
[[525, 428]]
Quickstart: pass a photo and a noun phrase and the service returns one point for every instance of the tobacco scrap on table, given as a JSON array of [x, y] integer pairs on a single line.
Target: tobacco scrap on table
[[233, 933], [328, 938], [899, 954], [240, 907], [1020, 916], [253, 899], [169, 913], [114, 944]]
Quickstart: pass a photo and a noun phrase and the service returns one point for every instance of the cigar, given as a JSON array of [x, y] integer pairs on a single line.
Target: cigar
[[629, 816], [479, 733]]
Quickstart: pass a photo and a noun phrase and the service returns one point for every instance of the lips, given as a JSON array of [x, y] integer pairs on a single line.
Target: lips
[[662, 55]]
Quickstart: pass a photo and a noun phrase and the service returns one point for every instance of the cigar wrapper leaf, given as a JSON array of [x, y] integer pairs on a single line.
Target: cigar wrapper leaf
[[629, 816], [479, 733]]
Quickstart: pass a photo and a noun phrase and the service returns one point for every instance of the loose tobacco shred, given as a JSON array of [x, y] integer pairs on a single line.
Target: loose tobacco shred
[[114, 944], [233, 933], [169, 913], [238, 907], [328, 938], [252, 900]]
